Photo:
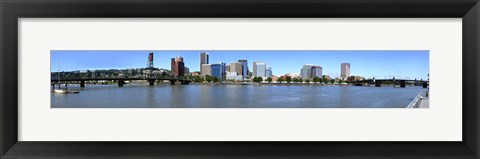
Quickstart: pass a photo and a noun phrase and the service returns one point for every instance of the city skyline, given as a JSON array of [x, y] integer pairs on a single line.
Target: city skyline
[[408, 64]]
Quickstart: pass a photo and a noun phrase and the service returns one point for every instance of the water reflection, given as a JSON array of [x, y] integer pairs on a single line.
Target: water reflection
[[235, 96]]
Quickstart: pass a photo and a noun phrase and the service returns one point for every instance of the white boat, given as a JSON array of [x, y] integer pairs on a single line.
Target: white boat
[[60, 91]]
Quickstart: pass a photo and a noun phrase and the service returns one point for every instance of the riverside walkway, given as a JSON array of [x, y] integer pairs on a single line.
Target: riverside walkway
[[421, 100]]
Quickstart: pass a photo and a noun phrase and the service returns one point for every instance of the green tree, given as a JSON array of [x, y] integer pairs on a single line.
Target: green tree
[[308, 81], [325, 80], [300, 80], [269, 79], [215, 79], [280, 80], [288, 79], [208, 78], [332, 81], [257, 79], [316, 79]]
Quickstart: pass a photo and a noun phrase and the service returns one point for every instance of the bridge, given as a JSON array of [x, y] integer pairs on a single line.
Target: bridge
[[121, 80], [400, 82]]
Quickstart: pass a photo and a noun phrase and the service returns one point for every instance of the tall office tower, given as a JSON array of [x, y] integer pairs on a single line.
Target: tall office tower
[[345, 71], [227, 68], [268, 72], [244, 68], [178, 66], [203, 59], [259, 69], [254, 69], [218, 70], [306, 71], [317, 71], [236, 67], [173, 66], [207, 70]]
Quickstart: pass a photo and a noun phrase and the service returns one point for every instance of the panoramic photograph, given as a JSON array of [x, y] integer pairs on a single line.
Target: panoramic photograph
[[239, 78]]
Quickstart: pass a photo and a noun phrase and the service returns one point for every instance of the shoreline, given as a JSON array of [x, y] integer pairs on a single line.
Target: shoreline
[[236, 83]]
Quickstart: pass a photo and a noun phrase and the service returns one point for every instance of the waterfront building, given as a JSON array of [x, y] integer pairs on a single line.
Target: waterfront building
[[268, 71], [206, 70], [316, 71], [259, 69], [203, 59], [274, 79], [227, 68], [218, 70], [177, 66], [293, 75], [234, 76], [306, 71], [244, 68], [236, 67], [355, 78], [196, 73], [344, 71]]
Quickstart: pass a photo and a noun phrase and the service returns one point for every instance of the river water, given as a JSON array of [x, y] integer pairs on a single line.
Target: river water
[[234, 96]]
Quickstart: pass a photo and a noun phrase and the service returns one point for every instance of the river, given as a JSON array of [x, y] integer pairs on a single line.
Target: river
[[234, 96]]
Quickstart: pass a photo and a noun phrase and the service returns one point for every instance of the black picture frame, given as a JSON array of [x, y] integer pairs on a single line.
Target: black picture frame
[[11, 10]]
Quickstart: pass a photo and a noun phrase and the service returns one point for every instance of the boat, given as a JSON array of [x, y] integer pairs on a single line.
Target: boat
[[60, 91], [63, 91]]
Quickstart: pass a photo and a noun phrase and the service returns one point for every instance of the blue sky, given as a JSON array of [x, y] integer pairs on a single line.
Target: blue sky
[[367, 63]]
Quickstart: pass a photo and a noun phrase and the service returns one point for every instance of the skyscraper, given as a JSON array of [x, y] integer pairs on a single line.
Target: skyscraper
[[218, 70], [236, 67], [203, 59], [206, 70], [254, 69], [177, 66], [244, 68], [173, 66], [316, 71], [306, 71], [345, 71], [259, 69], [268, 72]]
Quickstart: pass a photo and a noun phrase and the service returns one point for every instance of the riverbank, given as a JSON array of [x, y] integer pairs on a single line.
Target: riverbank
[[421, 100]]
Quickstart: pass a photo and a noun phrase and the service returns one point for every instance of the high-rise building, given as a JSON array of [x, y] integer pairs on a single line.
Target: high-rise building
[[244, 68], [306, 71], [268, 72], [203, 59], [316, 71], [345, 71], [173, 66], [177, 67], [218, 70], [236, 67], [227, 68], [254, 69], [206, 70], [259, 69]]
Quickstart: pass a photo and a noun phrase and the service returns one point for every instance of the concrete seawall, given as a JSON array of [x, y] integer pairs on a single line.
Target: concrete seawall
[[420, 101]]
